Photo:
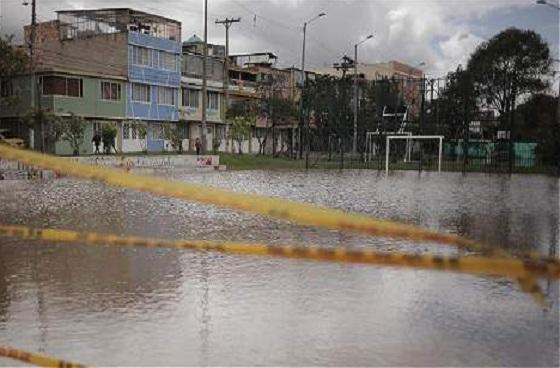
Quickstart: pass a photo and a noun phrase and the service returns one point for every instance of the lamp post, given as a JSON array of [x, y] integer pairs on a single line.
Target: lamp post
[[356, 102], [303, 78], [544, 2]]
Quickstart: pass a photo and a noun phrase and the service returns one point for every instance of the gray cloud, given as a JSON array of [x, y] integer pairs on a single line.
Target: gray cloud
[[441, 33]]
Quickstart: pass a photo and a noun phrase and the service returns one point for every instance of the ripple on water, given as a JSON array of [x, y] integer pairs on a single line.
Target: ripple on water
[[108, 306]]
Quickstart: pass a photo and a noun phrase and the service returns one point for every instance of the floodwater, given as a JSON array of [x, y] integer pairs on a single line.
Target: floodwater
[[108, 306]]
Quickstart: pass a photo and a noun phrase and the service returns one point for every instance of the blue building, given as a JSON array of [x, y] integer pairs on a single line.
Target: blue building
[[143, 48], [154, 75]]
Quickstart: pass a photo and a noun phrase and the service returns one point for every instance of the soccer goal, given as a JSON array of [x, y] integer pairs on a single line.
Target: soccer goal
[[409, 138]]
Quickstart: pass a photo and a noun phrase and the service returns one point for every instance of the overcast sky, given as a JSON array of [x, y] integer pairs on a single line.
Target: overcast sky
[[441, 33]]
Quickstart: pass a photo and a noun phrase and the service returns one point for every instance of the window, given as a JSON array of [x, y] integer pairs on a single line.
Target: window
[[6, 88], [191, 97], [167, 61], [157, 131], [213, 100], [133, 131], [141, 56], [110, 91], [166, 96], [62, 86], [140, 92], [220, 132], [97, 128], [126, 131]]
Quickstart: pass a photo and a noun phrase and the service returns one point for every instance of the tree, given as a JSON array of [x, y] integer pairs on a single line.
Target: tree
[[511, 64], [73, 131], [535, 121], [13, 61], [172, 133], [48, 126], [273, 106], [241, 130], [243, 117], [108, 135]]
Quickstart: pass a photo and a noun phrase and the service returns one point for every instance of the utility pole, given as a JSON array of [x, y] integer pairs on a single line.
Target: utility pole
[[303, 80], [227, 23], [301, 119], [356, 99], [34, 86], [204, 79]]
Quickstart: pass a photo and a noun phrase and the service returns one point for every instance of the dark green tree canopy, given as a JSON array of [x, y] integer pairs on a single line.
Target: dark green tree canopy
[[13, 60], [511, 64]]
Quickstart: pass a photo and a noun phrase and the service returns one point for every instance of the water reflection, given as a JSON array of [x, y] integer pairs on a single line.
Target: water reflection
[[109, 306]]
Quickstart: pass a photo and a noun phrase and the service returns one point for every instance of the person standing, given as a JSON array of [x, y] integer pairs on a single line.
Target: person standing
[[197, 146], [96, 141]]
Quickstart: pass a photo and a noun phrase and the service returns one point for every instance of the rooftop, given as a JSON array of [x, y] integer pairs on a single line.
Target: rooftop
[[87, 22]]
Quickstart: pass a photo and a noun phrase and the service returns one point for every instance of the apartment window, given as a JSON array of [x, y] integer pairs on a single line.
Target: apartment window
[[141, 56], [62, 86], [126, 131], [6, 88], [191, 97], [213, 100], [133, 131], [140, 92], [166, 96], [110, 91], [167, 61]]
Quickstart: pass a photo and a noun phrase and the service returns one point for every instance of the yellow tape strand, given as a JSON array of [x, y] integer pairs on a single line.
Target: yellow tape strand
[[36, 359], [299, 213], [528, 268]]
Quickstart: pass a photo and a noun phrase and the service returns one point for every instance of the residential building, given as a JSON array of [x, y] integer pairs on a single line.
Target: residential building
[[190, 110], [409, 79], [111, 66]]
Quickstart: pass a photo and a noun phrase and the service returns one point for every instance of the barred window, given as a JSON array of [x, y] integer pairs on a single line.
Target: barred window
[[141, 56], [140, 92], [62, 86], [126, 131], [191, 97], [167, 61], [213, 101], [110, 91], [166, 96]]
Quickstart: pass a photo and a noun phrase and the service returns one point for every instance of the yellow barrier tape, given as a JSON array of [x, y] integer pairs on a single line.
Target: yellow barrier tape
[[36, 359], [525, 269], [299, 213]]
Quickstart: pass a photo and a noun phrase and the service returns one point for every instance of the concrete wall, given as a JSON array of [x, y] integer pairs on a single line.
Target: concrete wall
[[105, 54]]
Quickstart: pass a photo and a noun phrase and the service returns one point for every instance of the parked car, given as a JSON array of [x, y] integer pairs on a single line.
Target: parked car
[[9, 138]]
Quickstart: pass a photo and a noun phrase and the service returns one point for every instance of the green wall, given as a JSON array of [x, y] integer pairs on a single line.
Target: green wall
[[90, 105]]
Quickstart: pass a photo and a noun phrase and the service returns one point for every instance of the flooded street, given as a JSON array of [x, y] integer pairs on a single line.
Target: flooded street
[[110, 306]]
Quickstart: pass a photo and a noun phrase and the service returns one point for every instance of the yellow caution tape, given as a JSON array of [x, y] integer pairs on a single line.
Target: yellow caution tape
[[525, 269], [36, 359], [299, 213]]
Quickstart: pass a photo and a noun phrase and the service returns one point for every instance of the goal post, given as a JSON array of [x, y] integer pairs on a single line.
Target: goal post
[[410, 137]]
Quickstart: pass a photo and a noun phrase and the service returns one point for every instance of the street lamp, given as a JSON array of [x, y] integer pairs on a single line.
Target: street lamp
[[303, 78], [544, 2], [355, 140]]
